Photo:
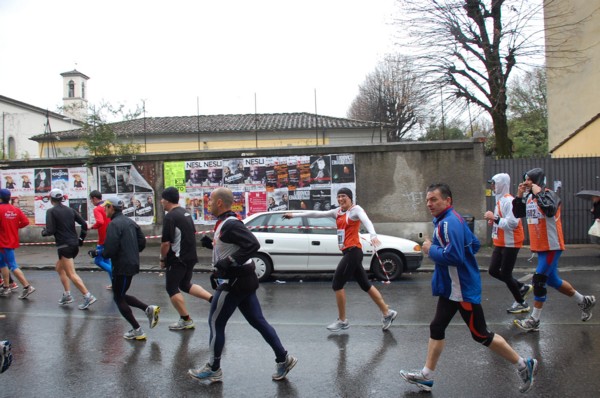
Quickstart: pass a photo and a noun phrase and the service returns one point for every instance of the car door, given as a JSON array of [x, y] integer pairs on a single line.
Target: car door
[[323, 245], [282, 240]]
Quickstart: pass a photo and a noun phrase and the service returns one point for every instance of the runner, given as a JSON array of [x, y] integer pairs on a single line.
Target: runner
[[60, 222], [348, 219]]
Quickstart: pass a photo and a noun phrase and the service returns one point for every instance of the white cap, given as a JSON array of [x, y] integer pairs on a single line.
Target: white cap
[[56, 193]]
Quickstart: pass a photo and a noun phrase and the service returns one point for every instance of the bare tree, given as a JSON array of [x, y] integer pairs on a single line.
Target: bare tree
[[470, 47], [392, 94]]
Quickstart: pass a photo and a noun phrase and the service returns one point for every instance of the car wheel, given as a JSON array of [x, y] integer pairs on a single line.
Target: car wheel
[[263, 266], [392, 263]]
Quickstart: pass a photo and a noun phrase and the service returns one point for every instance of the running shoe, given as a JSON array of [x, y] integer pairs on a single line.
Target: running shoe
[[525, 290], [418, 379], [527, 374], [586, 307], [87, 301], [528, 325], [386, 321], [152, 313], [5, 291], [13, 286], [206, 373], [338, 325], [518, 308], [283, 368], [26, 292], [5, 355], [181, 324], [66, 299], [135, 334]]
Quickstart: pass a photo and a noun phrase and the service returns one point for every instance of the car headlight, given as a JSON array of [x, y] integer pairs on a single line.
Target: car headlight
[[417, 248]]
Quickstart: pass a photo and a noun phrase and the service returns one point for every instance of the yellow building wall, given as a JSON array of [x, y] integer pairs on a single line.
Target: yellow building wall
[[584, 143], [573, 70], [66, 147]]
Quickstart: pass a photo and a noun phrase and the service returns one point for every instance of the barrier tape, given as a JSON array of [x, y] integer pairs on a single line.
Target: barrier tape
[[201, 232]]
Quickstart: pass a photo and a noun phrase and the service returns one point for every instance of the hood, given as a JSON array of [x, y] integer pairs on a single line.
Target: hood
[[501, 184], [537, 176]]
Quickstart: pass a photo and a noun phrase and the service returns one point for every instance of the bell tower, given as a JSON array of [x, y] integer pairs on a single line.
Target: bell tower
[[75, 94]]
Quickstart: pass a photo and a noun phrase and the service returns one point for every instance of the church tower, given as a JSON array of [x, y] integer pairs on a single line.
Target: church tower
[[75, 94]]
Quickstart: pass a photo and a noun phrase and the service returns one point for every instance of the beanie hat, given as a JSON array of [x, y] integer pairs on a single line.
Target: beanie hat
[[114, 201], [171, 194], [345, 191], [5, 195]]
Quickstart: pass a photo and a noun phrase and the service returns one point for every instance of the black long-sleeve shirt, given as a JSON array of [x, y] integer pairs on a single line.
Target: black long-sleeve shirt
[[60, 222]]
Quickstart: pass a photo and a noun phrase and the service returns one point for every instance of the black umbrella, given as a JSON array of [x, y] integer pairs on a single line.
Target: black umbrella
[[587, 194]]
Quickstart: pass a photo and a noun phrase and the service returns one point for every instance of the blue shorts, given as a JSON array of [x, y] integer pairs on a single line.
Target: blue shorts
[[7, 259]]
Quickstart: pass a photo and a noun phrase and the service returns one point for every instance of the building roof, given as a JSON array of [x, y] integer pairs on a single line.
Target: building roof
[[74, 72], [35, 109], [222, 124]]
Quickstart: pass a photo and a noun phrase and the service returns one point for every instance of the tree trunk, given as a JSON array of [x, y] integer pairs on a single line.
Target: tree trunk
[[503, 142]]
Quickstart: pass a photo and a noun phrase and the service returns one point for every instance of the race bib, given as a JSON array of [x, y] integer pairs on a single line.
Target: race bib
[[494, 231], [341, 234], [533, 214]]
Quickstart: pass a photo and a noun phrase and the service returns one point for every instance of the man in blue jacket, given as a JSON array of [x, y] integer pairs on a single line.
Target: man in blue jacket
[[457, 283]]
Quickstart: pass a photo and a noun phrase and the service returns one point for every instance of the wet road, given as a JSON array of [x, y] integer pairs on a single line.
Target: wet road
[[66, 352]]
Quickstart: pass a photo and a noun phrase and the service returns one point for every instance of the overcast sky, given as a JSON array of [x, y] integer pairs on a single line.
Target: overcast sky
[[176, 54]]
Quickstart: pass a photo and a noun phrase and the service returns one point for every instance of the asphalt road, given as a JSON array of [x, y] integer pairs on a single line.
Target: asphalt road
[[66, 352]]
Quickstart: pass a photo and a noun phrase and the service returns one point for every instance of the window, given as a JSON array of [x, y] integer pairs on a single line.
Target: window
[[82, 89], [322, 222], [71, 89], [12, 148], [277, 220]]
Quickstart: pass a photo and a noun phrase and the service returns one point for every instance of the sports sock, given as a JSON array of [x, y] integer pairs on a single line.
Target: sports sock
[[536, 313], [578, 297], [521, 363], [428, 373], [87, 295]]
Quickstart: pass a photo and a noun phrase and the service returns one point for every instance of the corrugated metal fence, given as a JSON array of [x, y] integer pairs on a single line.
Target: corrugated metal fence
[[566, 176]]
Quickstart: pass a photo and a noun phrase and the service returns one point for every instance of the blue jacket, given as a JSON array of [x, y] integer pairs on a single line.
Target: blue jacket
[[456, 276]]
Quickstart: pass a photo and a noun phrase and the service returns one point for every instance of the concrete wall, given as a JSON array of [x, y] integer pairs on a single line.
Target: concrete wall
[[391, 180]]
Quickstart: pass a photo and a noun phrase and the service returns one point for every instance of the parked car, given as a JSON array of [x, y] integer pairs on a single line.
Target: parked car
[[302, 244]]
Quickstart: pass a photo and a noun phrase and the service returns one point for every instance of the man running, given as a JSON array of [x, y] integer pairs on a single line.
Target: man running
[[101, 224], [233, 248], [178, 255], [457, 283], [60, 222], [124, 242], [11, 220]]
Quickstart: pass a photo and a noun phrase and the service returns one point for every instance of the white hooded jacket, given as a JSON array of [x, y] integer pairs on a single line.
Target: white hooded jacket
[[507, 230]]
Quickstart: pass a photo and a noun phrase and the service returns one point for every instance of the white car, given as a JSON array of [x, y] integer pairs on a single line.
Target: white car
[[303, 244]]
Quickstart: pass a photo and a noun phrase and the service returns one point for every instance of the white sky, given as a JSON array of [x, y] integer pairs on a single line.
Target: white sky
[[171, 53]]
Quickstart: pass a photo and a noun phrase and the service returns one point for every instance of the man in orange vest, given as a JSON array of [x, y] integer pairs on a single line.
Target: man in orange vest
[[542, 208], [507, 234]]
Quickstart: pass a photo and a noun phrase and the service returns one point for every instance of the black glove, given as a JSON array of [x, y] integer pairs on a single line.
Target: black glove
[[44, 232], [80, 242], [213, 281], [206, 242], [93, 253], [222, 266]]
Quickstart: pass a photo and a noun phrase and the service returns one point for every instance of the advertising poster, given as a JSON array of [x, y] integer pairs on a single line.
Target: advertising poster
[[193, 202], [123, 179], [41, 204], [233, 173], [207, 214], [257, 202], [320, 170], [108, 182], [79, 184], [255, 171], [300, 200], [27, 205], [320, 199], [342, 168], [42, 181], [10, 180], [80, 206], [278, 199], [25, 182], [204, 173], [175, 176], [239, 204]]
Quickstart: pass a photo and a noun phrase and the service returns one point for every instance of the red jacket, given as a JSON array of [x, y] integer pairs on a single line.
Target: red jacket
[[101, 222], [11, 219]]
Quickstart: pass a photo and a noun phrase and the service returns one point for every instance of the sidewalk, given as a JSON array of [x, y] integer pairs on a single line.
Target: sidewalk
[[44, 256]]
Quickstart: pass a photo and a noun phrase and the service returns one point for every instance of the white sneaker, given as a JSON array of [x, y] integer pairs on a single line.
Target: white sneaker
[[338, 325], [152, 313], [181, 325]]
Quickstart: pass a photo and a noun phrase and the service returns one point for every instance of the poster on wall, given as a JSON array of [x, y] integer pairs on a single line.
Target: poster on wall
[[262, 183], [130, 186], [42, 181]]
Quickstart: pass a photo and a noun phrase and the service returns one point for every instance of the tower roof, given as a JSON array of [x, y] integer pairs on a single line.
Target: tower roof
[[74, 72]]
